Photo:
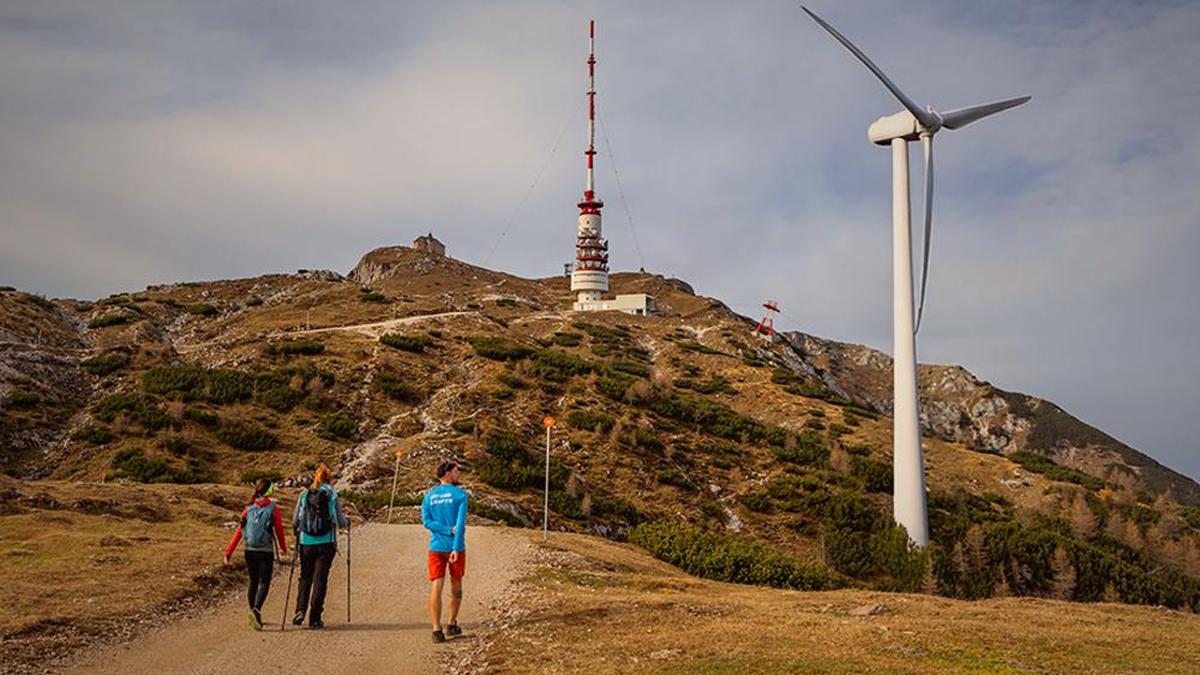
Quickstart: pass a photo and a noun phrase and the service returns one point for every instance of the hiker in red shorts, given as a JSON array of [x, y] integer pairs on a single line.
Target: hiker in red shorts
[[444, 514]]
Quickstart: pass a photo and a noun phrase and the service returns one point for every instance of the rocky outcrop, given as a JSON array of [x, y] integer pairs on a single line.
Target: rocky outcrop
[[957, 406]]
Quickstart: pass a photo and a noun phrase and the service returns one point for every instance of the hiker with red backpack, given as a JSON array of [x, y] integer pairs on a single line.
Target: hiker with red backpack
[[316, 520], [261, 525]]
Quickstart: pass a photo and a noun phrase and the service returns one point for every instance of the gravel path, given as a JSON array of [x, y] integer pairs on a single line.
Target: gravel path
[[390, 632]]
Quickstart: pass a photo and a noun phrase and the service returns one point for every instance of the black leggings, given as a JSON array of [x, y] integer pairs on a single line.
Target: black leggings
[[315, 561], [261, 565]]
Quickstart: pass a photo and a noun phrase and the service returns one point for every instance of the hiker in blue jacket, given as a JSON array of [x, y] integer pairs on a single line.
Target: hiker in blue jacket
[[316, 520], [444, 514]]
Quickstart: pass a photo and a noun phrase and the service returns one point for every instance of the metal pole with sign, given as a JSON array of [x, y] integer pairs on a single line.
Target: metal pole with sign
[[395, 475], [549, 423]]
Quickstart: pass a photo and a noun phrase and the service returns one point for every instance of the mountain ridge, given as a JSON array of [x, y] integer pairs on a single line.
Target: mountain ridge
[[684, 415]]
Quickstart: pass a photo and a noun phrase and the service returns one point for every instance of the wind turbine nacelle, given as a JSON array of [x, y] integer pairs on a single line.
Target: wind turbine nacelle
[[901, 125]]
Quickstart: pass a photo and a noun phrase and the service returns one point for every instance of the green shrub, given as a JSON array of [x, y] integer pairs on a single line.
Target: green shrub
[[640, 438], [177, 445], [112, 319], [757, 501], [850, 511], [724, 558], [616, 507], [675, 477], [565, 504], [280, 398], [273, 475], [132, 463], [567, 339], [253, 301], [408, 343], [556, 366], [1191, 515], [193, 382], [247, 436], [500, 349], [590, 421], [464, 426], [1048, 468], [493, 513], [396, 388], [201, 416], [116, 299], [809, 449], [784, 376], [809, 389], [202, 309], [838, 430], [630, 367], [104, 364], [876, 476], [96, 435], [138, 408], [186, 383], [693, 346], [511, 466], [615, 334], [372, 296], [298, 347], [715, 385], [336, 426], [511, 381], [23, 399], [228, 386]]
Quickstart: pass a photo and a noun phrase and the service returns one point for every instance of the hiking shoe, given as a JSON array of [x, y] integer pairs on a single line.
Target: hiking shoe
[[439, 636], [453, 630], [255, 620], [297, 618], [316, 625]]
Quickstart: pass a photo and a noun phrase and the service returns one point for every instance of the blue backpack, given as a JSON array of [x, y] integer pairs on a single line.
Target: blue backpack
[[256, 527]]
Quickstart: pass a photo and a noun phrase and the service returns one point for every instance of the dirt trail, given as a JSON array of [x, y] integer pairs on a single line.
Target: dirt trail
[[376, 328], [390, 631]]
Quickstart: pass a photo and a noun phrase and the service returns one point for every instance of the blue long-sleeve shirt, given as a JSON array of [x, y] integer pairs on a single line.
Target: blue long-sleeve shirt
[[444, 514]]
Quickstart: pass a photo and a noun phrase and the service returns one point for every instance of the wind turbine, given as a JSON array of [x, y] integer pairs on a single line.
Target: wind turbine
[[910, 124]]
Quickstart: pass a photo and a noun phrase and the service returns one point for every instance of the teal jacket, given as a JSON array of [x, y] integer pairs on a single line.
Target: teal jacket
[[335, 514]]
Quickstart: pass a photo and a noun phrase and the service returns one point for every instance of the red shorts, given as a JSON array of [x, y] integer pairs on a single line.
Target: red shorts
[[438, 562]]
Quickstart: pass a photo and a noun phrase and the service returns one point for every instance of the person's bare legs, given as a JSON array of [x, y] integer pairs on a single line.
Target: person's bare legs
[[435, 603], [456, 595]]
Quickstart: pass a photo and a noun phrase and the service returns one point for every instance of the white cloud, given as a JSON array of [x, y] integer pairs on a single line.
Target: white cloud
[[205, 141]]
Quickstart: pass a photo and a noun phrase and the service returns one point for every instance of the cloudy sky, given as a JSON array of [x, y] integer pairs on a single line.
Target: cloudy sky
[[158, 141]]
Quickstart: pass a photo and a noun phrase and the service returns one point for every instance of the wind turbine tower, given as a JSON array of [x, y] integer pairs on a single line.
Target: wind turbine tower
[[590, 278], [898, 130]]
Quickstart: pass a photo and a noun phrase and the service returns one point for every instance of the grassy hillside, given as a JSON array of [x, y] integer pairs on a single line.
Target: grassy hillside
[[682, 418], [592, 606]]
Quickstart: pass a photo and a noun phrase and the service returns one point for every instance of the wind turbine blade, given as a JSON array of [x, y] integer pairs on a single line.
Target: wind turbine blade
[[957, 119], [927, 141], [922, 116]]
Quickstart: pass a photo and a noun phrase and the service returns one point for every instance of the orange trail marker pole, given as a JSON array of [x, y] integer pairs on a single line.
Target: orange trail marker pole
[[395, 475], [549, 423]]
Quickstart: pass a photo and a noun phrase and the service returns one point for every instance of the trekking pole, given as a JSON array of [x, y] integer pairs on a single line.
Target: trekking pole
[[348, 573], [292, 573], [395, 475]]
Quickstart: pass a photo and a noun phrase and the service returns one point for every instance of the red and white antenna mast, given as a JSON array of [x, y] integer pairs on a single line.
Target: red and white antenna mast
[[590, 278], [766, 327]]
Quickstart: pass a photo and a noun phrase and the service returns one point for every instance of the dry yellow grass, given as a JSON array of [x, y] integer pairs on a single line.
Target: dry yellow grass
[[601, 607], [80, 559]]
